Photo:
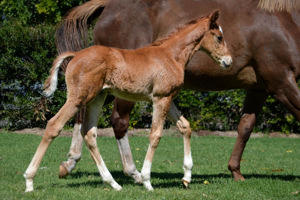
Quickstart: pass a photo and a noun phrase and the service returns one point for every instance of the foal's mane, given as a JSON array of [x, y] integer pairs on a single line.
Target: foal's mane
[[159, 41]]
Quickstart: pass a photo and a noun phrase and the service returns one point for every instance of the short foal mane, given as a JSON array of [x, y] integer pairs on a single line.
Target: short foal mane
[[159, 41]]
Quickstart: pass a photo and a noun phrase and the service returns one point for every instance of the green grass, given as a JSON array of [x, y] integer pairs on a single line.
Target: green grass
[[271, 167]]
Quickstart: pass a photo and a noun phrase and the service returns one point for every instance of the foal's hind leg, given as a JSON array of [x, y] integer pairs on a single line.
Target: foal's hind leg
[[184, 127], [89, 133], [53, 128], [74, 154]]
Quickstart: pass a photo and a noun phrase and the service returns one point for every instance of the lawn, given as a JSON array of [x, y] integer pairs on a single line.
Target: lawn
[[271, 167]]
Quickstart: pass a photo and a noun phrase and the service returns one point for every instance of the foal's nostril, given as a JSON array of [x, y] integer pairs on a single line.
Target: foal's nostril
[[226, 61], [225, 64]]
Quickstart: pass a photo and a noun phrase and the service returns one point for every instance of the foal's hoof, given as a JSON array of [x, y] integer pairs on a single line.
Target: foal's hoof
[[185, 183], [137, 178], [148, 185], [63, 172]]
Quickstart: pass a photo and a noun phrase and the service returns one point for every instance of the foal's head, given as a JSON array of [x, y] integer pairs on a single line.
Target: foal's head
[[213, 42]]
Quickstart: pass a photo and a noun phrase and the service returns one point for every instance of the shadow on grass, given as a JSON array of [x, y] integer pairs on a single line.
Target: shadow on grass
[[170, 179]]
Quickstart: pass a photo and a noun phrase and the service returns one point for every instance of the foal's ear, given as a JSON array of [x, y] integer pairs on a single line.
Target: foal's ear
[[213, 18]]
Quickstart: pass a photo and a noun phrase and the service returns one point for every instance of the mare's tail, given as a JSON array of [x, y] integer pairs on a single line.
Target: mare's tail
[[51, 82], [72, 35]]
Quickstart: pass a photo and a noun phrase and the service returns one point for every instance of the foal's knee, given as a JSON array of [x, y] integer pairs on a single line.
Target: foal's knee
[[154, 139], [184, 127], [52, 130]]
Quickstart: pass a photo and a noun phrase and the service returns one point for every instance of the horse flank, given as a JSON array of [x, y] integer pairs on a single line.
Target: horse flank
[[50, 84]]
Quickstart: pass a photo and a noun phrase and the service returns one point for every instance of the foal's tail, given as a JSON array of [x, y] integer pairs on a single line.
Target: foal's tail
[[51, 82]]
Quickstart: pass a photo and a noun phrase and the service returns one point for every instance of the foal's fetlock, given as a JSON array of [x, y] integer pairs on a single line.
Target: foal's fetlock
[[113, 184], [137, 178], [186, 182], [29, 185], [146, 182], [28, 182], [135, 174], [187, 167]]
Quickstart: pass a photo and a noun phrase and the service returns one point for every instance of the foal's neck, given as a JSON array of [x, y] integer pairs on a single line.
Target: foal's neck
[[183, 44]]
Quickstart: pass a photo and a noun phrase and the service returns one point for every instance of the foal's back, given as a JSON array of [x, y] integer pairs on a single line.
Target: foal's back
[[144, 72]]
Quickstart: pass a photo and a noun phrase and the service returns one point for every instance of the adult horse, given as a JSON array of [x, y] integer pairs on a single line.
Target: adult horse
[[265, 48]]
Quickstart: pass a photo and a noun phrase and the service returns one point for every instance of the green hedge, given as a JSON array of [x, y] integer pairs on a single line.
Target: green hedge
[[27, 53]]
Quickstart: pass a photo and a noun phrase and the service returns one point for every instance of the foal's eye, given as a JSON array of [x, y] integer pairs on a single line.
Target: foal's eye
[[220, 38]]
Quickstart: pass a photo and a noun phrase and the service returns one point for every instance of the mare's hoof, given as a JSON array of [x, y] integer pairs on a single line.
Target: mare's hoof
[[63, 172], [237, 176]]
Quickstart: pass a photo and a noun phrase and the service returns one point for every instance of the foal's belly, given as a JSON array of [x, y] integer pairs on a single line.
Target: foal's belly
[[128, 95]]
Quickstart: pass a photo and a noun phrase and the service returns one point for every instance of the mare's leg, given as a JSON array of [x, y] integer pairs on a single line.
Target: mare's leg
[[89, 134], [252, 106], [289, 95], [160, 109], [54, 126], [74, 154], [184, 127], [120, 120]]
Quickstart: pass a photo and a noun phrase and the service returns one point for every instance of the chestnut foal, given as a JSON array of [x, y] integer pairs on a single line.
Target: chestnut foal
[[154, 73]]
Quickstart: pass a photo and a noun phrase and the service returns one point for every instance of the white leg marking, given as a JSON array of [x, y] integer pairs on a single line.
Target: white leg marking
[[146, 170], [187, 167], [184, 127], [127, 161]]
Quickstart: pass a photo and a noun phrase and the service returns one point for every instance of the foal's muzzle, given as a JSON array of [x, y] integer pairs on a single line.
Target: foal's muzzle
[[226, 61]]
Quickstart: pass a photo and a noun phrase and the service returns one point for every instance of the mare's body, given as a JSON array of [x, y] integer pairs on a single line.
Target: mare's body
[[265, 48]]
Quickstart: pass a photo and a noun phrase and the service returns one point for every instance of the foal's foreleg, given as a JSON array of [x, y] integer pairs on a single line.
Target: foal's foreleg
[[89, 133], [74, 154], [53, 128], [160, 110], [184, 127]]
